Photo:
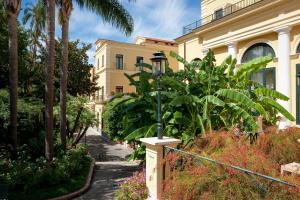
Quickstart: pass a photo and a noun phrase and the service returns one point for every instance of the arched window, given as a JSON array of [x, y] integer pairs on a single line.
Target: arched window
[[298, 48], [257, 50]]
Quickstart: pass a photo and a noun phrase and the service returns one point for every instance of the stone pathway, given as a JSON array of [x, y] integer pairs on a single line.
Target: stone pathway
[[111, 166]]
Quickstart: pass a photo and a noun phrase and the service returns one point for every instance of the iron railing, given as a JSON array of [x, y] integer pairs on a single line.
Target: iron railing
[[219, 15], [198, 160]]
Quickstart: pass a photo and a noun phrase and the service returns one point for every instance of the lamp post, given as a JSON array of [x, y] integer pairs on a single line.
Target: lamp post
[[158, 69]]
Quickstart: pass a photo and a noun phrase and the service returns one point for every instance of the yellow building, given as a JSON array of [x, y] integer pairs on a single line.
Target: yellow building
[[113, 59], [247, 29]]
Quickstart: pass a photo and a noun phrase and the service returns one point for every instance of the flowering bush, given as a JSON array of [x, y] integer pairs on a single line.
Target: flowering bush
[[133, 188], [192, 178]]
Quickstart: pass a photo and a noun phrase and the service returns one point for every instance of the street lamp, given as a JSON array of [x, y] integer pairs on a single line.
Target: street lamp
[[158, 69]]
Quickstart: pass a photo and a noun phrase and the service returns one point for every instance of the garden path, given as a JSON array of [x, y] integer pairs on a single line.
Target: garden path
[[111, 166]]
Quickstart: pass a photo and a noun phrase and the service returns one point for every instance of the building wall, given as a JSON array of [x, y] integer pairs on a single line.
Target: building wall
[[208, 7], [258, 23], [109, 77]]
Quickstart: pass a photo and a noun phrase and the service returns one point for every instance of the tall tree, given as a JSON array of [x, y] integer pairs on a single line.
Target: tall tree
[[111, 11], [49, 89], [36, 14], [13, 8]]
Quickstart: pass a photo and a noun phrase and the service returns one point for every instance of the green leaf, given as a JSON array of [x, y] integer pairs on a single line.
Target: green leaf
[[179, 59], [279, 108], [260, 109], [252, 66], [270, 93], [245, 115], [200, 124], [236, 96], [213, 99]]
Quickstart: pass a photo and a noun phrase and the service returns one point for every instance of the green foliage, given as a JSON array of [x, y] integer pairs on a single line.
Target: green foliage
[[80, 82], [30, 124], [201, 98], [26, 173]]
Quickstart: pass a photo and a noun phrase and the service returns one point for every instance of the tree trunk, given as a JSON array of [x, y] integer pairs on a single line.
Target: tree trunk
[[13, 77], [49, 88], [80, 135], [63, 82], [76, 122]]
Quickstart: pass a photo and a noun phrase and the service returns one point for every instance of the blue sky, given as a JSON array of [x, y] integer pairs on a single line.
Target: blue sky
[[152, 18]]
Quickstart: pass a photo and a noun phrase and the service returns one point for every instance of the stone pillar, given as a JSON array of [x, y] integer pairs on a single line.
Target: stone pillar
[[154, 164], [284, 70], [232, 49]]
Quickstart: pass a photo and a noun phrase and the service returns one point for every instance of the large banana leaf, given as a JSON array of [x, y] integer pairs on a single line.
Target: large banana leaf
[[279, 108], [252, 66], [245, 115], [180, 59], [270, 93], [212, 99], [236, 96], [145, 131]]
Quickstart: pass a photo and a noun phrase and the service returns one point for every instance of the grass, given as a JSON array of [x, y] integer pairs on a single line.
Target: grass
[[71, 185]]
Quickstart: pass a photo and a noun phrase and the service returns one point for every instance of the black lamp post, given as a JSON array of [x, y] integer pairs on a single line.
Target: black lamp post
[[158, 69]]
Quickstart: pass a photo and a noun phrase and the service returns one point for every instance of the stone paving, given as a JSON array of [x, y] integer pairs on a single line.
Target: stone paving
[[111, 166]]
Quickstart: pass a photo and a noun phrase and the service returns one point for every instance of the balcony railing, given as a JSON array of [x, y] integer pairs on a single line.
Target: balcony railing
[[219, 15]]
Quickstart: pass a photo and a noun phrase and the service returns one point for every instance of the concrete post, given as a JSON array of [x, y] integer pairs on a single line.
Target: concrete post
[[154, 164]]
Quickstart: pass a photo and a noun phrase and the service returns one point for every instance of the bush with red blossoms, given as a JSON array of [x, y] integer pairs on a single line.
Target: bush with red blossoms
[[133, 188]]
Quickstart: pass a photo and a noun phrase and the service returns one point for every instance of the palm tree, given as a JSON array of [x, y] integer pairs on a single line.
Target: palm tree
[[36, 14], [13, 8], [111, 11], [49, 87]]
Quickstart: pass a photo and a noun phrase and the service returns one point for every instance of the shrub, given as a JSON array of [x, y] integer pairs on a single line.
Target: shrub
[[25, 174], [192, 178], [133, 188], [282, 147]]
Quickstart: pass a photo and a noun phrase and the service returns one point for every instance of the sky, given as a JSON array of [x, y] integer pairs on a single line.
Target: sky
[[152, 18]]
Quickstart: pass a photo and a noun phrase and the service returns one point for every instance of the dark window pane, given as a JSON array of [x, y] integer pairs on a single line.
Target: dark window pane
[[269, 77], [265, 77], [219, 14], [119, 61], [139, 59], [119, 89], [257, 50], [298, 49]]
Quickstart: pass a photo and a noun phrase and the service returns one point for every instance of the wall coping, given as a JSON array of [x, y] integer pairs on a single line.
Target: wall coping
[[156, 142]]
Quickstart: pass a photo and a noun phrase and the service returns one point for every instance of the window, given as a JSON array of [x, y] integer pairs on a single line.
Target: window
[[265, 77], [98, 63], [298, 48], [257, 50], [119, 89], [119, 61], [102, 61], [139, 59], [219, 13]]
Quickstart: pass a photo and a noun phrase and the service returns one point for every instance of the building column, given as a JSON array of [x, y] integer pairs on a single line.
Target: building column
[[284, 70], [232, 49]]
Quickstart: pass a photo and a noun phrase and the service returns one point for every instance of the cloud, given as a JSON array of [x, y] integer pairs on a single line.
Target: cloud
[[153, 18]]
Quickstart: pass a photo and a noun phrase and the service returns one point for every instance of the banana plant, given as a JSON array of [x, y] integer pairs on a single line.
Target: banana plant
[[198, 99]]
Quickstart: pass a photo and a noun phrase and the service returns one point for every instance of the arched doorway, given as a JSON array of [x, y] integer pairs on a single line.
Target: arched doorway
[[265, 77]]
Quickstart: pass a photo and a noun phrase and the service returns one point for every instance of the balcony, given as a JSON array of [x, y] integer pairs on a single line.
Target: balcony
[[219, 14]]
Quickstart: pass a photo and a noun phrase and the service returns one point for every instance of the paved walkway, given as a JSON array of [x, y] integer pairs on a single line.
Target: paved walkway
[[111, 166]]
